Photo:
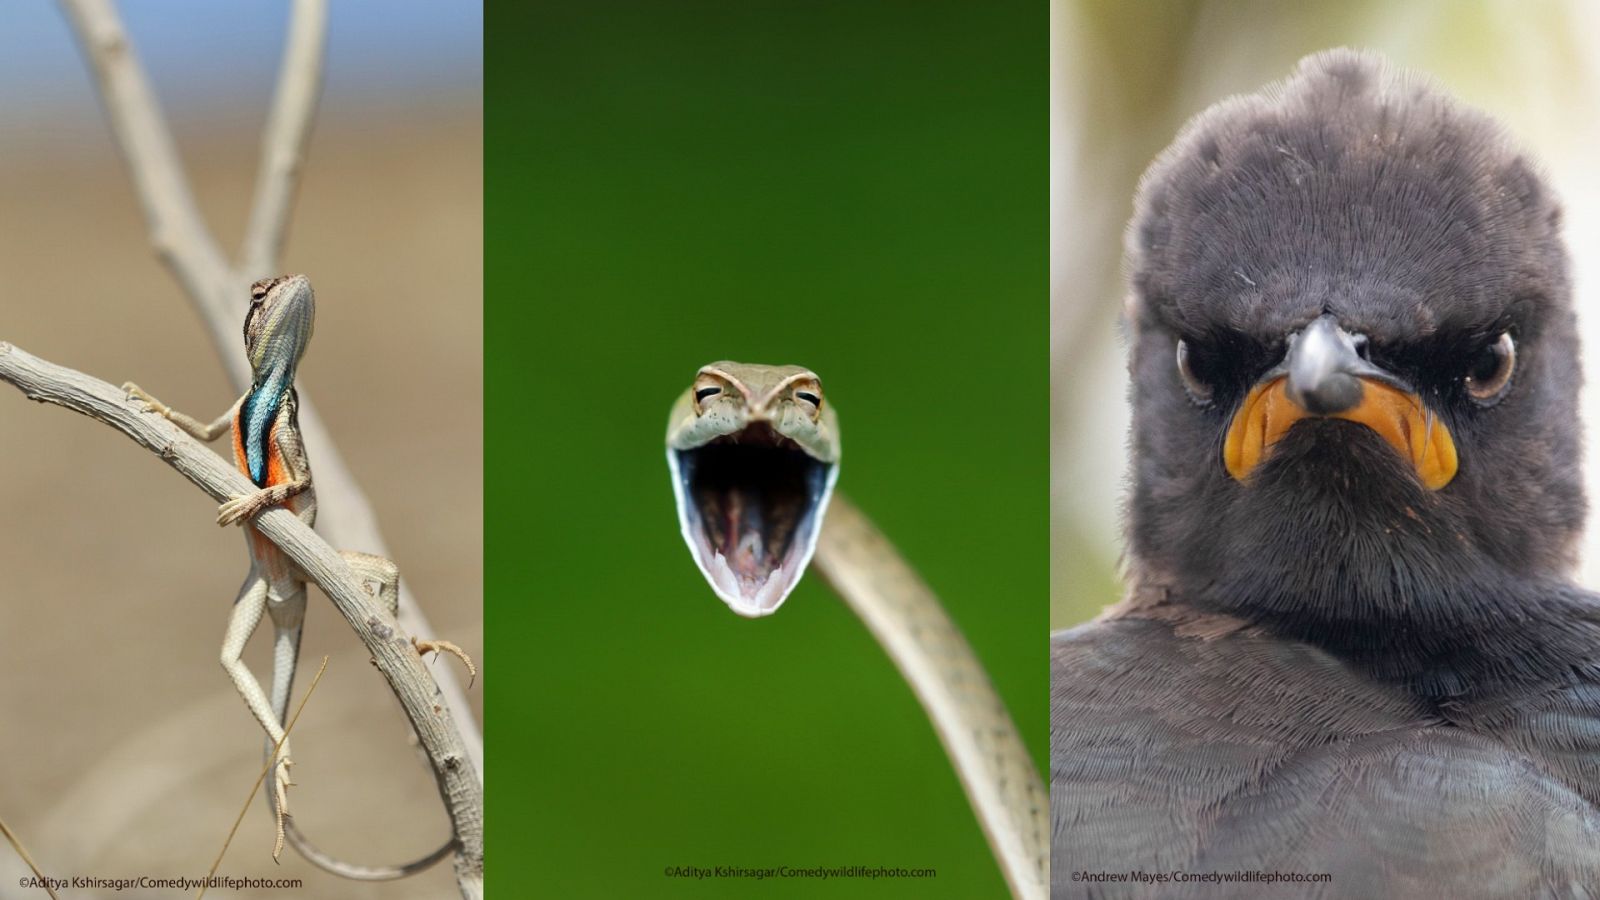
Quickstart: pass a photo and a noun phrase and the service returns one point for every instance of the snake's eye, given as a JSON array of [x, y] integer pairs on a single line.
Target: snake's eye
[[1199, 391], [704, 392], [1489, 375], [810, 401]]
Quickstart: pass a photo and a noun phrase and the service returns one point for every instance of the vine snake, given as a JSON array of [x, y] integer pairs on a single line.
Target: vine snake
[[754, 454]]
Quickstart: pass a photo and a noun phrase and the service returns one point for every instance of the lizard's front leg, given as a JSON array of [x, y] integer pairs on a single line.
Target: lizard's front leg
[[204, 431], [247, 609], [239, 509]]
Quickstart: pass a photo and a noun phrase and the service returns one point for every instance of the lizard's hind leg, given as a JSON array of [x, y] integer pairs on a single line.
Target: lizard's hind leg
[[247, 611], [380, 570], [370, 570], [288, 613]]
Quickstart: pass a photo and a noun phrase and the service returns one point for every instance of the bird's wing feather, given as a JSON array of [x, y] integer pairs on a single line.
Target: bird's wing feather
[[1245, 752]]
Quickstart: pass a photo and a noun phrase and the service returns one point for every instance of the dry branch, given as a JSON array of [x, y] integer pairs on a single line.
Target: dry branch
[[294, 106], [177, 230], [391, 647]]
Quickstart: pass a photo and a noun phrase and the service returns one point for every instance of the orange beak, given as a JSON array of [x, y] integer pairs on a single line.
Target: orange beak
[[1399, 417]]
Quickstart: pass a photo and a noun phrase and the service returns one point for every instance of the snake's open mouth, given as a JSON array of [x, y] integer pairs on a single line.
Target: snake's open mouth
[[751, 503]]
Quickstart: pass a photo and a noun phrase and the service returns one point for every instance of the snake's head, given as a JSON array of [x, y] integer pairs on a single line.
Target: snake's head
[[754, 453]]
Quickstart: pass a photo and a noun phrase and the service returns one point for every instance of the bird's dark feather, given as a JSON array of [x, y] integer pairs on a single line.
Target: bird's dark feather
[[1251, 753]]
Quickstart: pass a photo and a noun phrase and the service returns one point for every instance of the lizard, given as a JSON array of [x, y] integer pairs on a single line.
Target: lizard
[[268, 449], [754, 454]]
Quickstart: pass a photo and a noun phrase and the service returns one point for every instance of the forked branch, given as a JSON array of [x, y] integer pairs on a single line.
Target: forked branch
[[215, 287]]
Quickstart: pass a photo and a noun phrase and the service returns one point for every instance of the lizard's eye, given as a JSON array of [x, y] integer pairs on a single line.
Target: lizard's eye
[[1489, 376], [258, 291], [1199, 391]]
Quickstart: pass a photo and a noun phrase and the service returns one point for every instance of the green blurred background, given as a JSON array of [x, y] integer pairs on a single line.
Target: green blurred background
[[858, 188], [1125, 76]]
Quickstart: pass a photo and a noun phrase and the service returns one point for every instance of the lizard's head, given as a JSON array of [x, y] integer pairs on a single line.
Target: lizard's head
[[754, 453], [278, 326]]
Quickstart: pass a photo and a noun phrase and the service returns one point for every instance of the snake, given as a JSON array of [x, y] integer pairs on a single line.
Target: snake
[[754, 455]]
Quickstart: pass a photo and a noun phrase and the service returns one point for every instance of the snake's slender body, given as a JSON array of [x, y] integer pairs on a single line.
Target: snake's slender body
[[754, 455], [982, 742]]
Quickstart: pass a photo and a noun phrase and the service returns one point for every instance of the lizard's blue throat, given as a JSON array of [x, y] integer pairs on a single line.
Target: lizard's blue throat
[[257, 414]]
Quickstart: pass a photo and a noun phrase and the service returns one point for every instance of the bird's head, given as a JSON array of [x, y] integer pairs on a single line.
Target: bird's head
[[1355, 368]]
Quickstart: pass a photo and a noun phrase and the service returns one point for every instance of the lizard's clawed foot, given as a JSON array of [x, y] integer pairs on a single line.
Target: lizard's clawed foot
[[248, 506], [280, 804], [237, 510], [426, 647], [151, 404]]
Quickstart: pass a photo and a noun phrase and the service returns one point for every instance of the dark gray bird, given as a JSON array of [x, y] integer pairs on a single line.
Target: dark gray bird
[[1350, 645]]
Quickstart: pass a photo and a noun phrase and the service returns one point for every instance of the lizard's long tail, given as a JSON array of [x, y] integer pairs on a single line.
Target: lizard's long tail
[[285, 652], [321, 860]]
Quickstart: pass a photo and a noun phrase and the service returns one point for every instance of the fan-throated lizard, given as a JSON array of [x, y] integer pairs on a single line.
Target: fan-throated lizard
[[267, 448]]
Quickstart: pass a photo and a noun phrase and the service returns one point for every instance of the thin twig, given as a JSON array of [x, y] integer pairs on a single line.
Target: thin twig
[[272, 760], [284, 145], [391, 647], [177, 230], [16, 844], [217, 291]]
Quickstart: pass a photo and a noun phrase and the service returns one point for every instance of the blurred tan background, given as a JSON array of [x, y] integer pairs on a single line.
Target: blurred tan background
[[126, 750], [1126, 75]]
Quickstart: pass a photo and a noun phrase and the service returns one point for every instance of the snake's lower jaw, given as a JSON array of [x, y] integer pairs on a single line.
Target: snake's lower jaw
[[751, 507], [749, 597]]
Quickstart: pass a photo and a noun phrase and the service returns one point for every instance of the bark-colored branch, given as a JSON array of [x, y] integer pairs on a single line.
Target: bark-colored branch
[[392, 651], [217, 291], [284, 145], [177, 230]]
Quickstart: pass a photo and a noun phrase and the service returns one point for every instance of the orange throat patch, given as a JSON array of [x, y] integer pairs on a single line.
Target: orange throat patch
[[1397, 416]]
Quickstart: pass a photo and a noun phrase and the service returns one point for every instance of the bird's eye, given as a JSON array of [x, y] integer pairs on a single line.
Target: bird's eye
[[1199, 391], [1490, 373]]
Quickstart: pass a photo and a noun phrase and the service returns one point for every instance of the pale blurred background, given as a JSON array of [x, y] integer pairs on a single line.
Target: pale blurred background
[[126, 750], [1126, 75]]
